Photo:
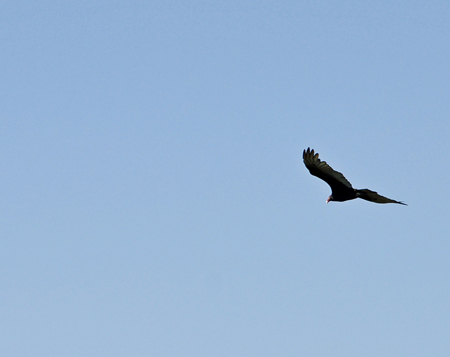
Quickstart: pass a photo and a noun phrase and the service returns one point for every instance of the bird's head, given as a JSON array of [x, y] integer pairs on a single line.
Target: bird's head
[[330, 198]]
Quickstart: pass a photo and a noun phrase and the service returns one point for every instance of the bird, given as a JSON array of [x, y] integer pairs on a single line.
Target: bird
[[341, 188]]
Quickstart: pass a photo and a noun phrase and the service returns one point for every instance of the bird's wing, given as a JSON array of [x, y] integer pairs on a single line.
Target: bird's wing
[[324, 171], [372, 196]]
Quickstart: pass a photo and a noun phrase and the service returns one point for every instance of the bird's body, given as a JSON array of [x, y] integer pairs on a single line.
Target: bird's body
[[341, 188]]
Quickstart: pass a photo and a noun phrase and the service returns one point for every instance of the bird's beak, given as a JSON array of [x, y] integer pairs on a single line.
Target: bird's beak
[[328, 199]]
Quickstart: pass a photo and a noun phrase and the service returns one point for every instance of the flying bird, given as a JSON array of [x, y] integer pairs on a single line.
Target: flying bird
[[341, 189]]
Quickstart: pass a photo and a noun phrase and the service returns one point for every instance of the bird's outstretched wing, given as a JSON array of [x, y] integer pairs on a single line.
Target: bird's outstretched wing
[[324, 171], [372, 196]]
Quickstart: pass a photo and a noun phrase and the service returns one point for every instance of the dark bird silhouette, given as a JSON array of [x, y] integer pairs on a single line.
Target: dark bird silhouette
[[341, 189]]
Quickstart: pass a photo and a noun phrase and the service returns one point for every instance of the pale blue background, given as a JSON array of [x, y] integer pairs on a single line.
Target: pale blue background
[[153, 197]]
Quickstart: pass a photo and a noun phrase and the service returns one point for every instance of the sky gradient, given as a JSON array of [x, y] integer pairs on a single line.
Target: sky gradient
[[153, 197]]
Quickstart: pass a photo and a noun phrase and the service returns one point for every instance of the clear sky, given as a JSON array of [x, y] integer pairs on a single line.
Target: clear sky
[[153, 197]]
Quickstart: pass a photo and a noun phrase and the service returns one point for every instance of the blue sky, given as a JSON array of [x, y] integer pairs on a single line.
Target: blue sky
[[154, 200]]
